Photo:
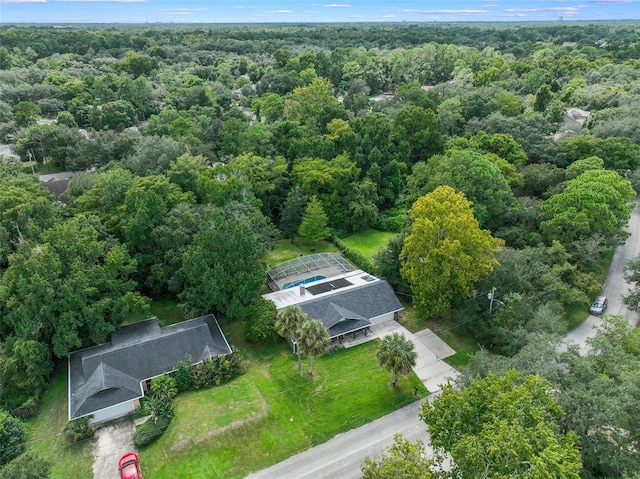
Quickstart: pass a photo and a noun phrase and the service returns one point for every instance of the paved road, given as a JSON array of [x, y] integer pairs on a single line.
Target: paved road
[[615, 286], [341, 456]]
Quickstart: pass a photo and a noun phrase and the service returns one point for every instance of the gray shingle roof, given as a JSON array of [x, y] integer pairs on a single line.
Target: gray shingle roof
[[352, 309], [111, 373]]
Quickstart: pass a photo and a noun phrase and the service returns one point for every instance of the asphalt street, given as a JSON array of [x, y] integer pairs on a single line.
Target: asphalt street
[[615, 287], [341, 456]]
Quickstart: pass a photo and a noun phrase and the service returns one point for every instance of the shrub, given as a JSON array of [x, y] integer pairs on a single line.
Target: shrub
[[11, 437], [214, 372], [151, 430], [358, 259], [393, 220], [184, 374], [259, 322], [159, 406], [79, 429], [27, 466], [164, 386]]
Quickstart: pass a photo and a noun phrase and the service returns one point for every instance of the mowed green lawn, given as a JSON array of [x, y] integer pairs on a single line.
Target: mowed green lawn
[[368, 242], [46, 439], [273, 412], [286, 250]]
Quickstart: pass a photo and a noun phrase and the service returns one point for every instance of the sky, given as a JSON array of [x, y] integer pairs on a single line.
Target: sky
[[270, 11]]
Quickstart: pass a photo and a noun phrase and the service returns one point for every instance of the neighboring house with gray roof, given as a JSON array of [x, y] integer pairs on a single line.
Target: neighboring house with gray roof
[[346, 300], [106, 381]]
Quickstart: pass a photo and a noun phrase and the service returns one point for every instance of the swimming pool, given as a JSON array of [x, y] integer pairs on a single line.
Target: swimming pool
[[293, 284]]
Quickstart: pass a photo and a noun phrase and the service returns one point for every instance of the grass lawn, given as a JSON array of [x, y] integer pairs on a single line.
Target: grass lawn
[[166, 310], [285, 250], [368, 242], [576, 315], [46, 439], [272, 412]]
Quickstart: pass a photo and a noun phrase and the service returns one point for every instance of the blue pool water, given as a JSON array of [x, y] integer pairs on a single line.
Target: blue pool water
[[293, 284]]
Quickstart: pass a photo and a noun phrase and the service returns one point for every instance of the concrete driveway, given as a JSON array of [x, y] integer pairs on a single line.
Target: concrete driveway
[[111, 442], [430, 366]]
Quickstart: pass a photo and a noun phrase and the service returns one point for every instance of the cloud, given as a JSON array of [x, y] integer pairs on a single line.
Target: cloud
[[283, 11], [23, 1], [102, 1], [564, 10], [336, 5], [609, 2], [445, 12]]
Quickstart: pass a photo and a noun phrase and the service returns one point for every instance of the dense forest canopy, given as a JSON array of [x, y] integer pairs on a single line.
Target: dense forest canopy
[[197, 147]]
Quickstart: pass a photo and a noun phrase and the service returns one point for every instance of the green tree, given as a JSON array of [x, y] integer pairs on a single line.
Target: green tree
[[417, 131], [632, 275], [135, 64], [25, 366], [618, 153], [396, 353], [314, 221], [71, 290], [105, 198], [404, 460], [312, 340], [502, 427], [588, 387], [470, 173], [363, 209], [288, 322], [314, 105], [292, 212], [56, 143], [26, 211], [12, 436], [508, 102], [26, 113], [446, 251], [543, 97], [222, 270], [27, 466], [185, 170], [578, 167], [597, 201], [153, 155], [259, 322]]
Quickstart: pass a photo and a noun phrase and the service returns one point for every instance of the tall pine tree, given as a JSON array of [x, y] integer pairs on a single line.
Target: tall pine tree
[[314, 221], [292, 212]]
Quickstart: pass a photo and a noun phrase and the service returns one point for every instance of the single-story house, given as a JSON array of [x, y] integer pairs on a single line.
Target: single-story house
[[325, 286], [107, 381]]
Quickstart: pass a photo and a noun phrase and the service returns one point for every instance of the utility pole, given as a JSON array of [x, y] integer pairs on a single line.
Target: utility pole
[[491, 295]]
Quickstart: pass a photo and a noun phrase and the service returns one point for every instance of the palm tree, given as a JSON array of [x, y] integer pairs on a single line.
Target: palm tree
[[396, 354], [313, 340], [288, 322]]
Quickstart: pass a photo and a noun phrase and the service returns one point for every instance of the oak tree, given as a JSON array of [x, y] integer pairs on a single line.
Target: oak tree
[[446, 252]]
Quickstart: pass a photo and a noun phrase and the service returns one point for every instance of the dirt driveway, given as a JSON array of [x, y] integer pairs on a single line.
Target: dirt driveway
[[111, 441]]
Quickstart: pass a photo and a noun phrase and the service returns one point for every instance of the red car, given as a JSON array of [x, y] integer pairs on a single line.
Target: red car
[[129, 466]]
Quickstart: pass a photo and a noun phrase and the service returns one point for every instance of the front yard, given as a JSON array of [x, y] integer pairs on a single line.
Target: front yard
[[273, 412]]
